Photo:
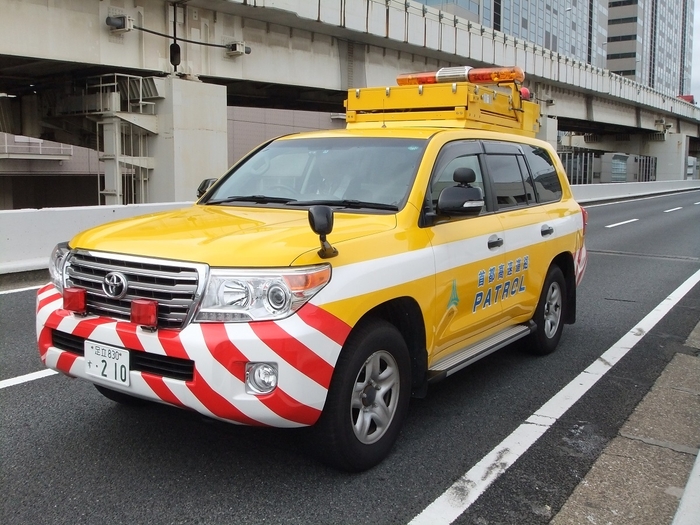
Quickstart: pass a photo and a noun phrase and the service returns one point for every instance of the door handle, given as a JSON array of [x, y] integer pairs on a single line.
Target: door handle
[[546, 230], [495, 242]]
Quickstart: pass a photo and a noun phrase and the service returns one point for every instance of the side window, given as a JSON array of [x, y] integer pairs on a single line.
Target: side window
[[529, 187], [544, 174], [507, 181], [455, 155]]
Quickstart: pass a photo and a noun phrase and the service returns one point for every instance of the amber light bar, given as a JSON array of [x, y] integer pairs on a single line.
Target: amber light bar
[[484, 75]]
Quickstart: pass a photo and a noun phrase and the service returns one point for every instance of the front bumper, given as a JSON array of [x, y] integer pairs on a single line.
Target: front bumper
[[305, 348]]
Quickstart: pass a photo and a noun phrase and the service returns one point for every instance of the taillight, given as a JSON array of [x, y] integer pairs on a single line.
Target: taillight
[[584, 213]]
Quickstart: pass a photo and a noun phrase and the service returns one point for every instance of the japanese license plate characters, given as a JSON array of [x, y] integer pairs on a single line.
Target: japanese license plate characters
[[107, 362]]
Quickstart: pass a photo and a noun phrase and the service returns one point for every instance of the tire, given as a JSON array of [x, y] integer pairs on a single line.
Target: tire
[[121, 398], [367, 400], [549, 315]]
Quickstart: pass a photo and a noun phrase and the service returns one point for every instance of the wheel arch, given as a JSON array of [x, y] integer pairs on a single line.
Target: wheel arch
[[565, 262], [406, 315]]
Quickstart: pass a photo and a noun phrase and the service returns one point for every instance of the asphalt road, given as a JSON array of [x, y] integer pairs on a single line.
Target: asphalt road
[[68, 455]]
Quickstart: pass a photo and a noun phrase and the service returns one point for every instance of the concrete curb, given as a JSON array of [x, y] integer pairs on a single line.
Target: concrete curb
[[641, 478], [688, 512]]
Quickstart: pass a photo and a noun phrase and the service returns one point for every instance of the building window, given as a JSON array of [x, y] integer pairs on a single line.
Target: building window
[[622, 2], [613, 56], [622, 38], [627, 20]]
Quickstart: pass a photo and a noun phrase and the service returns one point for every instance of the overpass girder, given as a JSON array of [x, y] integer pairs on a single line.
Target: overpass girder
[[296, 42]]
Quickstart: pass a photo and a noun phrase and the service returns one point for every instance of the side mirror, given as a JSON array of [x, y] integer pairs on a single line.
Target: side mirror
[[204, 186], [321, 222], [460, 200]]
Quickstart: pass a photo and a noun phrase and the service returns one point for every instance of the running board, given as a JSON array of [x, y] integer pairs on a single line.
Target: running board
[[470, 354]]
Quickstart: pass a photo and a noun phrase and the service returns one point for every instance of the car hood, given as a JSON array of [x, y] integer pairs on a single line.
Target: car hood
[[223, 236]]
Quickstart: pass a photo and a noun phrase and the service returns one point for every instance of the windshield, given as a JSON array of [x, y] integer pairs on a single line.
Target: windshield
[[348, 172]]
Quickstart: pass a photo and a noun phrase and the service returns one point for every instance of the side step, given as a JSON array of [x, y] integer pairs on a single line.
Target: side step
[[470, 354]]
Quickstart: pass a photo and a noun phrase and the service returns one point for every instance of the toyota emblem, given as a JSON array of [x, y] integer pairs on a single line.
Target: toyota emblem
[[115, 285]]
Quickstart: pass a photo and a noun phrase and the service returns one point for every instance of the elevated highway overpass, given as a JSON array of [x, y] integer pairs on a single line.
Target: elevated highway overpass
[[70, 77]]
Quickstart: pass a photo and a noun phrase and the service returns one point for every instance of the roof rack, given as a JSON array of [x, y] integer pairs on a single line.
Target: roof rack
[[449, 98]]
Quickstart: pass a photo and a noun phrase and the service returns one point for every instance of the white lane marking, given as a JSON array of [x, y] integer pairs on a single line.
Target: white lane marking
[[696, 203], [621, 223], [467, 489], [16, 290], [632, 199], [25, 378], [673, 209]]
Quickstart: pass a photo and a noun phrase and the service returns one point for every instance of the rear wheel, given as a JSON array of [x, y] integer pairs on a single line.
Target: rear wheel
[[367, 400], [120, 397], [549, 315]]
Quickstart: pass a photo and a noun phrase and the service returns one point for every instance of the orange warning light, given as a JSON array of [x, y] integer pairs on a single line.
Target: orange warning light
[[486, 75]]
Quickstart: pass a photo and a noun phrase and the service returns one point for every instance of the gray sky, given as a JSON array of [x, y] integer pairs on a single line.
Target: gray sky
[[695, 82]]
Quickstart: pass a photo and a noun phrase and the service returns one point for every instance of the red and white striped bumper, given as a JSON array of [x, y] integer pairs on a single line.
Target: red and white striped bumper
[[305, 348]]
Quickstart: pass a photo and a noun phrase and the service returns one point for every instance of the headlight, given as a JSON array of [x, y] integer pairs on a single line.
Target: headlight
[[56, 262], [256, 295]]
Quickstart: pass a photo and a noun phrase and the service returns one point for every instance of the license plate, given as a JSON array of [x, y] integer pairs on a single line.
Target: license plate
[[107, 362]]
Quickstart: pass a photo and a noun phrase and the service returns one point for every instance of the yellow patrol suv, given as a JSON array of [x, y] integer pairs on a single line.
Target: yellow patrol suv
[[330, 275]]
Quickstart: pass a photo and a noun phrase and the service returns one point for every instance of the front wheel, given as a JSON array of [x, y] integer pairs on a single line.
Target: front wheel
[[549, 315], [367, 400]]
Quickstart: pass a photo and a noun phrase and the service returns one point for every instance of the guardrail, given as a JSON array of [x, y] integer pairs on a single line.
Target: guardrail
[[28, 236], [34, 147]]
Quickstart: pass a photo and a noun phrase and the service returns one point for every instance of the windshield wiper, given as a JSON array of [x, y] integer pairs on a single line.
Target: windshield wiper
[[257, 199], [347, 203]]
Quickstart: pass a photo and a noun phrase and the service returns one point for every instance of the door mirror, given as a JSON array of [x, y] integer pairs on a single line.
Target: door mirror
[[204, 186], [321, 222], [460, 200]]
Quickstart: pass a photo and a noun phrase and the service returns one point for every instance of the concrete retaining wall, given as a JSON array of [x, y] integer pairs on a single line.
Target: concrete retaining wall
[[612, 191], [28, 236]]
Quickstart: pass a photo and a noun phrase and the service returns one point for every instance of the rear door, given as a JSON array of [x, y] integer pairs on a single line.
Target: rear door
[[528, 229]]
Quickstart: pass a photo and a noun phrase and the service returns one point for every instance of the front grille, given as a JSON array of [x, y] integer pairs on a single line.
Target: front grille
[[161, 365], [175, 286]]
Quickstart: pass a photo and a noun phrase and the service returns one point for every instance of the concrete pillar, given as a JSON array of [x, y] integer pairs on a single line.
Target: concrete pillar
[[192, 140], [111, 157], [548, 130], [30, 116], [671, 155]]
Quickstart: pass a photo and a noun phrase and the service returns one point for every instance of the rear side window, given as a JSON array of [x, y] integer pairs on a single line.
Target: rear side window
[[507, 181], [544, 174]]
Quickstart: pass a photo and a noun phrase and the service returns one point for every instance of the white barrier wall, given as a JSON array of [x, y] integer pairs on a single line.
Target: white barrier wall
[[28, 236], [601, 192]]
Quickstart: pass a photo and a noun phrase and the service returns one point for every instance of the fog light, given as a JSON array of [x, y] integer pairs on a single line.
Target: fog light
[[75, 300], [144, 313], [260, 378]]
